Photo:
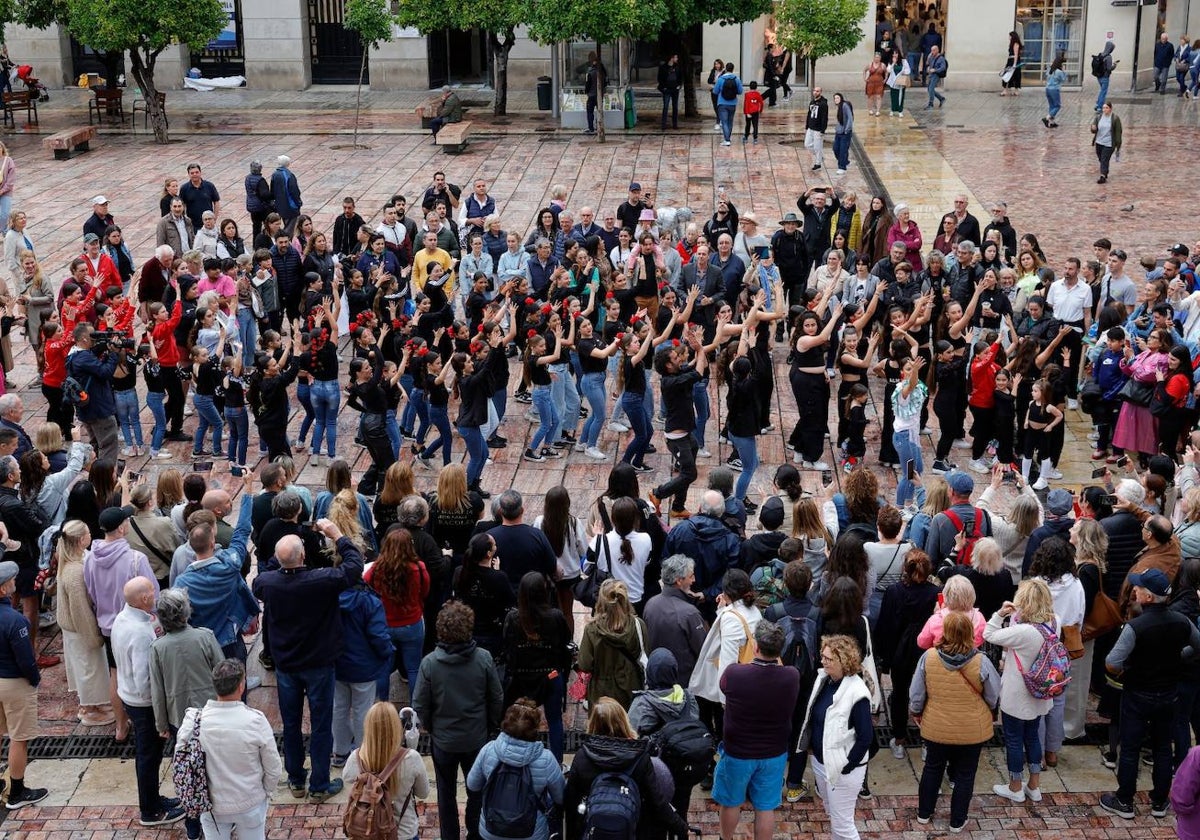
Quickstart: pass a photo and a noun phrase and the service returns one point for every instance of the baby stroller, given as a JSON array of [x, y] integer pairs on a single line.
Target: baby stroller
[[32, 84]]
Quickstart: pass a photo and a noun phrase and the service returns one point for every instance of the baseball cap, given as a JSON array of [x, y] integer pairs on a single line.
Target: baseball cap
[[961, 483], [90, 237], [1059, 502], [770, 515], [100, 200], [1151, 580], [8, 571], [111, 518], [1180, 249], [634, 185]]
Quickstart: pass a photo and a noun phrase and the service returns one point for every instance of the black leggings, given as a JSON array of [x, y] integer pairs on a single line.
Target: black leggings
[[949, 421], [811, 391], [175, 398], [58, 411], [276, 441], [982, 430], [1042, 442], [684, 449]]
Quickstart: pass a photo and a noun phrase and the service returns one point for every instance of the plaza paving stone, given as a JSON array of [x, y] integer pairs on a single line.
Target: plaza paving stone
[[991, 147]]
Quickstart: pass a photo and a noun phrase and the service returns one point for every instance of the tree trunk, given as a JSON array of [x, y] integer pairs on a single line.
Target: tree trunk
[[689, 77], [812, 71], [500, 51], [600, 86], [142, 69], [362, 71]]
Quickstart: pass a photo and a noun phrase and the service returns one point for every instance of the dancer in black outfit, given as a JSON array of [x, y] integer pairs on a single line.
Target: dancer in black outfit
[[810, 387], [366, 394], [677, 380], [269, 400]]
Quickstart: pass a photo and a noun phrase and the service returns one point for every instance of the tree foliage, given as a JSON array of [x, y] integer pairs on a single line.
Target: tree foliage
[[371, 20], [39, 14], [816, 29], [551, 21]]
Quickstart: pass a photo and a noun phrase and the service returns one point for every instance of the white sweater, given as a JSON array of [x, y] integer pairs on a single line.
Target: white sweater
[[720, 649], [240, 755], [132, 635]]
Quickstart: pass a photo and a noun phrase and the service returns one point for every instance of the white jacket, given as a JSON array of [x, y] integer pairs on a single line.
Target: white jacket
[[838, 736], [720, 649], [240, 754], [132, 634]]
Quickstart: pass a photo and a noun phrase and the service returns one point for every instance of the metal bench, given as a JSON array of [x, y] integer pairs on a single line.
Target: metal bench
[[452, 137], [72, 140]]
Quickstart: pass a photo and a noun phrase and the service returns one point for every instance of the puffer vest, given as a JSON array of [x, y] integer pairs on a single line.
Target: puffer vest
[[954, 711]]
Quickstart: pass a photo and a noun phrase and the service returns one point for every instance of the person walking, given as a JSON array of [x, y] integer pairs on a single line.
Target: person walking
[[1054, 82], [935, 68], [899, 76], [728, 88], [752, 106], [1106, 138], [815, 125], [874, 77], [19, 678], [1102, 68], [1012, 66], [844, 132]]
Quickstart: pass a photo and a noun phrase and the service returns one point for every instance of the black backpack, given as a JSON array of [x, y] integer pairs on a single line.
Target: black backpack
[[1099, 66], [687, 747], [729, 88], [510, 806], [613, 808], [797, 651], [945, 67]]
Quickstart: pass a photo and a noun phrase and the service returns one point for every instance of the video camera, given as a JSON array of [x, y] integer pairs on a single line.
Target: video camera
[[105, 340]]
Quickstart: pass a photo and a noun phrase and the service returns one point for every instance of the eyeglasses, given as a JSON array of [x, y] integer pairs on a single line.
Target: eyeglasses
[[825, 657]]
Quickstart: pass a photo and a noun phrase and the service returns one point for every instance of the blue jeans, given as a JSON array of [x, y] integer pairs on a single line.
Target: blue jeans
[[639, 422], [932, 89], [127, 416], [408, 641], [566, 400], [841, 149], [304, 397], [239, 433], [393, 432], [725, 118], [908, 450], [593, 390], [700, 401], [1103, 94], [477, 452], [293, 687], [210, 418], [500, 403], [248, 329], [154, 399], [417, 398], [1145, 713], [441, 421], [410, 411], [1054, 101], [326, 398], [1021, 742], [747, 450], [548, 419]]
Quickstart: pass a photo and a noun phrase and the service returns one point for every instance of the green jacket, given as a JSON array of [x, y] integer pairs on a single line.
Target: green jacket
[[458, 697], [1116, 131], [452, 109], [612, 660]]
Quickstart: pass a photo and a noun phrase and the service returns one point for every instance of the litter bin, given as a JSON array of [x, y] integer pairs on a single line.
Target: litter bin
[[544, 95]]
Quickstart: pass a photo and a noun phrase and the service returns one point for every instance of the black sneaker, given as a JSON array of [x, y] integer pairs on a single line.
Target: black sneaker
[[31, 796], [1159, 809], [496, 443], [734, 464], [479, 491], [530, 455], [865, 793], [547, 452], [750, 506], [1124, 810], [319, 796], [565, 443], [643, 468], [266, 661], [165, 817], [650, 449]]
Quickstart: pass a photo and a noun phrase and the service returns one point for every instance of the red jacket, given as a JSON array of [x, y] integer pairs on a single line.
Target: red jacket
[[124, 322], [983, 378], [56, 360], [752, 103], [106, 270], [163, 334], [72, 315]]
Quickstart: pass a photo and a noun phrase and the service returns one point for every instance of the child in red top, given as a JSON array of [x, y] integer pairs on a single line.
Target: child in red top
[[982, 400], [752, 106]]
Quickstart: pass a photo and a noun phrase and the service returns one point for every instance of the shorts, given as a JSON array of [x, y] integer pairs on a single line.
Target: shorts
[[108, 653], [757, 780], [18, 709], [27, 580]]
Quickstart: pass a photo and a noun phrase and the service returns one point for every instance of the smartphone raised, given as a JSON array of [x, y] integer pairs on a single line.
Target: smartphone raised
[[1099, 472], [202, 466], [1108, 500]]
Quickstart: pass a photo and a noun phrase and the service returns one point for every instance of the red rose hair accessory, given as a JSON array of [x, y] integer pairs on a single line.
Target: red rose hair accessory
[[424, 351], [547, 309], [529, 301], [476, 346], [609, 296], [662, 286], [674, 342], [397, 324], [633, 319], [479, 328], [531, 333], [620, 336]]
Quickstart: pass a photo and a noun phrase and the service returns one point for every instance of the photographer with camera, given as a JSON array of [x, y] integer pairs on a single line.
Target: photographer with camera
[[92, 364]]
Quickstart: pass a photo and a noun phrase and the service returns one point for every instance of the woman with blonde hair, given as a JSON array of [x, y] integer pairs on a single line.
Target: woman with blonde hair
[[958, 596], [453, 510], [612, 745], [1091, 547], [343, 512], [48, 439], [1019, 627], [937, 499], [1012, 531], [809, 528], [952, 696], [383, 738], [397, 484], [613, 644], [838, 731], [1188, 529], [83, 645], [169, 491]]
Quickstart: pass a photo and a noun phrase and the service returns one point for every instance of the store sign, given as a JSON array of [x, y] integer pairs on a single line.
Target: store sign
[[227, 39]]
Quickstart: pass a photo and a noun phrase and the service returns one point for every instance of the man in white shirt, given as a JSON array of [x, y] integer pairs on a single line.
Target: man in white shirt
[[1117, 286], [395, 235], [1071, 301], [133, 631]]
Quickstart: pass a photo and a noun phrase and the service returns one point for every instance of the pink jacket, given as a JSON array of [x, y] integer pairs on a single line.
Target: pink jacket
[[912, 242], [931, 634]]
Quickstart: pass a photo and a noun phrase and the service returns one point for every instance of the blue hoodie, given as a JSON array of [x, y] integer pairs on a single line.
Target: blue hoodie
[[367, 648], [1107, 371], [548, 782]]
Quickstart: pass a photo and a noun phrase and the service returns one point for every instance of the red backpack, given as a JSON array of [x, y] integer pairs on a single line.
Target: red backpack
[[964, 554]]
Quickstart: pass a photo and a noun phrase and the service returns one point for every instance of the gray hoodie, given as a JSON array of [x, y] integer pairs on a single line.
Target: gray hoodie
[[664, 700]]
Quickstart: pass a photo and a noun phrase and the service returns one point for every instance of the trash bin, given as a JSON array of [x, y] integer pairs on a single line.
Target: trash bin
[[544, 94]]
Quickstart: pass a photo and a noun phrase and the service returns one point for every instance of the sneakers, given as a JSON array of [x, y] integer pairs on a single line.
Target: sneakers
[[161, 454], [619, 428], [703, 453], [425, 462], [734, 464], [580, 446], [1005, 792], [547, 452], [897, 750], [840, 172], [593, 452], [962, 443], [726, 143], [1073, 404], [957, 829], [976, 465], [319, 796], [924, 820], [943, 467], [1159, 809], [1043, 482], [751, 507], [1109, 759], [643, 468], [299, 789], [338, 760], [164, 817], [47, 620], [814, 465], [1110, 803], [28, 796], [1033, 794], [795, 794], [128, 452], [530, 455]]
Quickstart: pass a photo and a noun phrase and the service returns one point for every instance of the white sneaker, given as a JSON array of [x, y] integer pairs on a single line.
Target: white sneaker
[[1033, 794], [315, 460], [962, 443], [163, 454], [717, 127], [1011, 795], [797, 458], [1074, 406], [897, 750], [978, 466], [593, 452], [128, 452], [703, 453], [580, 446], [726, 143], [1042, 483], [815, 465], [619, 428], [188, 411], [840, 172], [1054, 474], [488, 462], [1093, 436]]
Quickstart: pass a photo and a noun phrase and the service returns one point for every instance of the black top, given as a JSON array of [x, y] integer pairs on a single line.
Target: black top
[[588, 362], [539, 375], [743, 420], [323, 364], [812, 357], [676, 392], [523, 548], [208, 376], [489, 594], [368, 397], [634, 375], [235, 391], [436, 394], [475, 390]]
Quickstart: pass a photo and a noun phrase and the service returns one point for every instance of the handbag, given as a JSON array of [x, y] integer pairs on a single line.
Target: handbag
[[189, 773], [1182, 66], [868, 665], [903, 80], [1138, 393], [1103, 618], [1162, 403], [587, 589], [1072, 639]]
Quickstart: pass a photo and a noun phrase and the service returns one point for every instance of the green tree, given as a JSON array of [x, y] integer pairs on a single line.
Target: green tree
[[498, 19], [145, 28], [820, 28], [552, 21], [373, 23]]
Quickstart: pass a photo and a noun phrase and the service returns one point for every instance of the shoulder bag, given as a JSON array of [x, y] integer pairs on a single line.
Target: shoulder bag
[[1138, 393], [868, 665], [587, 588]]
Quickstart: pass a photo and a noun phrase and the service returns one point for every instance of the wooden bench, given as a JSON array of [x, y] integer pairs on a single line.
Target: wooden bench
[[107, 102], [71, 140], [452, 137], [20, 100], [428, 109]]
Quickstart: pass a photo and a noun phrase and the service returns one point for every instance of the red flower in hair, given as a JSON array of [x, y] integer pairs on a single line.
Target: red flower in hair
[[633, 319], [529, 301], [476, 346], [674, 342], [424, 351], [609, 296], [691, 325], [620, 336], [547, 309], [479, 328], [531, 334], [662, 285]]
